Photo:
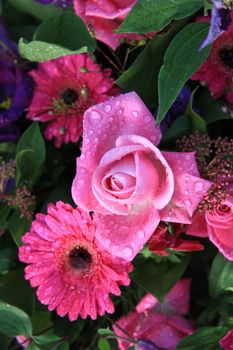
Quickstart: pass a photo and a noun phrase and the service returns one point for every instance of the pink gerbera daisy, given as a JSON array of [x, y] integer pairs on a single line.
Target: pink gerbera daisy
[[217, 70], [65, 88], [73, 273]]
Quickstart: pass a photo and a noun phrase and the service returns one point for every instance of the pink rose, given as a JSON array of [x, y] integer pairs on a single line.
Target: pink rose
[[217, 226], [106, 16], [127, 181]]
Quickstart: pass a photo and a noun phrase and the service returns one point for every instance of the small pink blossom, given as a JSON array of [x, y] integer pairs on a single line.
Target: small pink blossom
[[227, 342], [105, 16], [72, 271], [65, 88], [162, 324], [127, 181], [23, 341]]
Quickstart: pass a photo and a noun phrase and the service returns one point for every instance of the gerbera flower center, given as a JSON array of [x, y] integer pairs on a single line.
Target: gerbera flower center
[[69, 96], [226, 56], [80, 258]]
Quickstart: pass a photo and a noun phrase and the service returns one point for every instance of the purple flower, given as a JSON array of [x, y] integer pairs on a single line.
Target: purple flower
[[60, 3], [220, 20], [15, 88], [144, 344], [177, 109]]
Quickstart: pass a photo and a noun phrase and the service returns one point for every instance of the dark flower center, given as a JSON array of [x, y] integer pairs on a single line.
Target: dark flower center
[[69, 96], [79, 258], [226, 56]]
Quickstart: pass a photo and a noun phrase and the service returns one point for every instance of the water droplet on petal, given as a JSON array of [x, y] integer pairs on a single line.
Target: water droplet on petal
[[82, 157], [120, 111], [147, 118], [95, 115], [198, 187], [128, 252], [134, 114], [141, 234], [186, 192], [188, 203], [107, 108]]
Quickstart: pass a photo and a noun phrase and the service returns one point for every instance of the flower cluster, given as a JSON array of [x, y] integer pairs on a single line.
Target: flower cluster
[[116, 174]]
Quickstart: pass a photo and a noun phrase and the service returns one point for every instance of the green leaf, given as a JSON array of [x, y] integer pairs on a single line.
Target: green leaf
[[204, 338], [61, 346], [180, 127], [14, 321], [105, 331], [211, 110], [221, 276], [8, 257], [159, 277], [181, 60], [142, 76], [57, 36], [36, 9], [46, 339], [4, 213], [30, 155], [151, 16], [18, 227], [103, 344], [24, 297], [196, 121]]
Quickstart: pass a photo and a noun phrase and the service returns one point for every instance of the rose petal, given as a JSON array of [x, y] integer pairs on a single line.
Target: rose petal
[[189, 189], [166, 186], [198, 226], [124, 236], [223, 239]]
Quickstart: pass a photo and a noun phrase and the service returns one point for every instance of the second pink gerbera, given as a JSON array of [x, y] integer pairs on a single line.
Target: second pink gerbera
[[73, 273], [65, 88]]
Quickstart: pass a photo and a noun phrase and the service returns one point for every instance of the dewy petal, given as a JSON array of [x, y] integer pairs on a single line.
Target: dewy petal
[[124, 236], [189, 187]]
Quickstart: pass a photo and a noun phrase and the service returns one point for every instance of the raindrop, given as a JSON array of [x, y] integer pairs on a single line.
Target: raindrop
[[107, 108], [188, 203], [134, 114], [120, 111], [147, 118], [94, 115], [198, 187], [82, 157], [141, 234], [186, 192], [128, 252]]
